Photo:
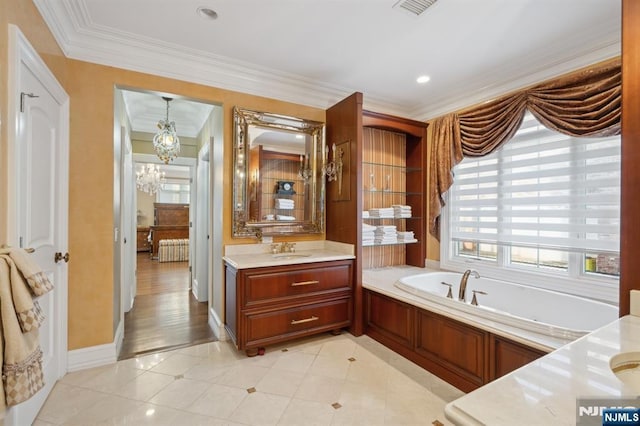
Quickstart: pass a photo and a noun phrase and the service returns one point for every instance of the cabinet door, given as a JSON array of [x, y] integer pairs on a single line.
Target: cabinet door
[[509, 356], [285, 285], [457, 347], [389, 318], [280, 325]]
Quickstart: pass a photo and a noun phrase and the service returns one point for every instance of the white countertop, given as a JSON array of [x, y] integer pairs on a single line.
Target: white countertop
[[544, 392], [244, 256]]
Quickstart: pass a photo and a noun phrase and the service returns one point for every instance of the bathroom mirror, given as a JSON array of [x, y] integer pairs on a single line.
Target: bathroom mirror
[[278, 187]]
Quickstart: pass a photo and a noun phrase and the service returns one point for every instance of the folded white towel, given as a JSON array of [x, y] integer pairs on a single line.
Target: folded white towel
[[365, 214], [284, 217]]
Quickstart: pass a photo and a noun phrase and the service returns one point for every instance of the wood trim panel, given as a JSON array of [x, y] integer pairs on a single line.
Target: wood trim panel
[[454, 345], [509, 356], [465, 356], [389, 318], [343, 224], [630, 182], [393, 123]]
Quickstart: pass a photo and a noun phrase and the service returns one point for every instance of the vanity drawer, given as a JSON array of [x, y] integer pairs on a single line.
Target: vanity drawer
[[270, 327], [274, 285]]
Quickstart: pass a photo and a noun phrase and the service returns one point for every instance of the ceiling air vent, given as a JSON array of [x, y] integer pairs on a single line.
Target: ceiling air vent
[[415, 7]]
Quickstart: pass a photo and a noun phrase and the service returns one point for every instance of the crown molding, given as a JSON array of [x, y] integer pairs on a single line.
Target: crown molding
[[464, 96], [81, 39]]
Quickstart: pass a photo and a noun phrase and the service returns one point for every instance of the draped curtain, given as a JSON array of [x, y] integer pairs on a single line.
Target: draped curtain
[[586, 103]]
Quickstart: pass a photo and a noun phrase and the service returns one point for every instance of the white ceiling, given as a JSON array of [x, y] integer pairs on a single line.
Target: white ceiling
[[316, 52], [146, 109]]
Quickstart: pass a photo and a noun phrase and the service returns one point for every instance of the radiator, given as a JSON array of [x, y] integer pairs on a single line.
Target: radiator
[[173, 250]]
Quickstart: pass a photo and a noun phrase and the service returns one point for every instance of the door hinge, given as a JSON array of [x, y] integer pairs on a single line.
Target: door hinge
[[22, 95]]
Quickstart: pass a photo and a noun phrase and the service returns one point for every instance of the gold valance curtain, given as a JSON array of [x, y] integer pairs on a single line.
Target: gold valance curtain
[[582, 104]]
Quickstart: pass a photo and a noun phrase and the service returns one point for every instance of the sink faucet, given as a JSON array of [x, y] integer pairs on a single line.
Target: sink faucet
[[463, 283], [284, 247]]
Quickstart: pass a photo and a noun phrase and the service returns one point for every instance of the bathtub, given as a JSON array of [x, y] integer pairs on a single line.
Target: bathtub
[[528, 308]]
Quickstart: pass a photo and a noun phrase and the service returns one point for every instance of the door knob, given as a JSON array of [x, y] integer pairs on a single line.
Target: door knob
[[58, 257]]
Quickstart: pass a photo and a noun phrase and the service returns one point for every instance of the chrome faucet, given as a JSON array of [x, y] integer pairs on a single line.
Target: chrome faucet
[[463, 283], [284, 247]]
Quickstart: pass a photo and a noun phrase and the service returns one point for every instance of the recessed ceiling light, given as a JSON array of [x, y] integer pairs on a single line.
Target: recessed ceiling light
[[423, 79], [207, 13]]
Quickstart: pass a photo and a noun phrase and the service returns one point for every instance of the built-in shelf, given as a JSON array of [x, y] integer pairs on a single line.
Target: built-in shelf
[[397, 243]]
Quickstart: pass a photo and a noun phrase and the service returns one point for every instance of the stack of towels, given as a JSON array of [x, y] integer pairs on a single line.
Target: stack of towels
[[368, 234], [385, 212], [406, 237], [385, 234], [284, 203], [401, 211], [365, 214]]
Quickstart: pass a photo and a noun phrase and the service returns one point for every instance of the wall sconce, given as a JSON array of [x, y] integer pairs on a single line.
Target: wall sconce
[[305, 171], [333, 169]]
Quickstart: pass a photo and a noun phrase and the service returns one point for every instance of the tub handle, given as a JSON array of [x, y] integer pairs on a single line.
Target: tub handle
[[474, 299], [449, 295]]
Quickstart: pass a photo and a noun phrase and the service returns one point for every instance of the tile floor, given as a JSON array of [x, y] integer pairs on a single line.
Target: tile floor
[[322, 380]]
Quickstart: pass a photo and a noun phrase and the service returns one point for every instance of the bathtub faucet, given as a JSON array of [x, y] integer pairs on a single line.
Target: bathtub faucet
[[463, 283]]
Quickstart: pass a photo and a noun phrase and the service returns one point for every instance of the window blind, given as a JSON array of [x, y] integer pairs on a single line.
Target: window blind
[[541, 189]]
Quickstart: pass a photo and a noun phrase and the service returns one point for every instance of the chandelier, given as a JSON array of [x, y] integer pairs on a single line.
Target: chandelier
[[166, 142], [149, 178]]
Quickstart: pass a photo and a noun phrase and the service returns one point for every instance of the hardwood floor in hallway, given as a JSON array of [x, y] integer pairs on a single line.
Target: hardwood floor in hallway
[[165, 314]]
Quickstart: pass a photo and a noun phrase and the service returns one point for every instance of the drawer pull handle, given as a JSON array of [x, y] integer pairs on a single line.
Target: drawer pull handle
[[299, 283], [313, 318]]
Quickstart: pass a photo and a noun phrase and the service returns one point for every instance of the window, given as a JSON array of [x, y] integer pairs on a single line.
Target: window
[[174, 191], [543, 203]]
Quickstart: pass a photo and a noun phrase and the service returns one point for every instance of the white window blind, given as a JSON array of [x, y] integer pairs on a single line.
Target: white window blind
[[542, 189]]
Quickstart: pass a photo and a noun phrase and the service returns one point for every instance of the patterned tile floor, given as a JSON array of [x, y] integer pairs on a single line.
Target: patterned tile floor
[[322, 380]]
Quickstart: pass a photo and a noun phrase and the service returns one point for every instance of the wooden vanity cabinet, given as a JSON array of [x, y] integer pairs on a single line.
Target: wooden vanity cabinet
[[278, 303]]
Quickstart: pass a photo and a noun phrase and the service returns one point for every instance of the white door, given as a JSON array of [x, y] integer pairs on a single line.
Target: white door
[[202, 234], [127, 225], [40, 182]]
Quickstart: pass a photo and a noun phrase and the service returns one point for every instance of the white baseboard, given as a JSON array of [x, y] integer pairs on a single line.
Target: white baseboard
[[119, 338], [93, 356], [96, 356], [195, 289], [217, 326], [432, 264]]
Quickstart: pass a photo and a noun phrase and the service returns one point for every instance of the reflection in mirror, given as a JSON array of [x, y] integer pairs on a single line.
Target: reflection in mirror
[[278, 186]]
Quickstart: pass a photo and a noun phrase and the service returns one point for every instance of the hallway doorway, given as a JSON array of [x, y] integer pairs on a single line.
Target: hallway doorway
[[162, 304], [166, 315]]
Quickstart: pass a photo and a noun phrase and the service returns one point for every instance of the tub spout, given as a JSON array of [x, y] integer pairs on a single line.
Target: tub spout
[[463, 283]]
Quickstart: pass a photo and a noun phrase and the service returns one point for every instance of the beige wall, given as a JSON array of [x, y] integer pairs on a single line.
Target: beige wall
[[91, 163]]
